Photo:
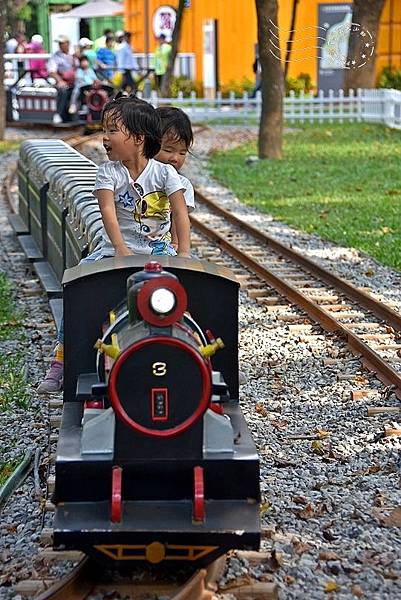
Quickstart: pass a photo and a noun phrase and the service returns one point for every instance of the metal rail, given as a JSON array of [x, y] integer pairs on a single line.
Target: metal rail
[[74, 586]]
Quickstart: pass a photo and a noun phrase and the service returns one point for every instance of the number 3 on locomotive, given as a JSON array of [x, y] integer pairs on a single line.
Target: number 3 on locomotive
[[159, 369]]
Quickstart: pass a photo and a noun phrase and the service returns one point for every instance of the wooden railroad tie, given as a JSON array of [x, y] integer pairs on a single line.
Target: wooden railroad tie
[[388, 410]]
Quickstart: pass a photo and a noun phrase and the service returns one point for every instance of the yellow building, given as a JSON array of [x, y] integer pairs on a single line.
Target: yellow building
[[231, 24]]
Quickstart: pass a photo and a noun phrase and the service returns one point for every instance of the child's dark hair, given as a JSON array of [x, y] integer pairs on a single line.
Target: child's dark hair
[[83, 59], [138, 118], [176, 124]]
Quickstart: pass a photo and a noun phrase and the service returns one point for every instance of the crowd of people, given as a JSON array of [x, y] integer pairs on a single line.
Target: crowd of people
[[110, 59]]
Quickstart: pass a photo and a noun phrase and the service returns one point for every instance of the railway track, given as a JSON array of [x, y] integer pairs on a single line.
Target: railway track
[[85, 581], [371, 328]]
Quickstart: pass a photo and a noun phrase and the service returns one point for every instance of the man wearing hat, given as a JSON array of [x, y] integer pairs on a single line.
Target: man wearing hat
[[86, 49], [62, 67]]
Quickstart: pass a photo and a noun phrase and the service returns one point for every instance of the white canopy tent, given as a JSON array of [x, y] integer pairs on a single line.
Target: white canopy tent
[[95, 8]]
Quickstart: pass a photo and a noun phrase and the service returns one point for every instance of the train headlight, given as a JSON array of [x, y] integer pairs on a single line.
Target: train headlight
[[162, 301]]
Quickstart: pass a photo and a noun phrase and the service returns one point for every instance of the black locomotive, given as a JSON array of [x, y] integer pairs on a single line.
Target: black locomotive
[[154, 462]]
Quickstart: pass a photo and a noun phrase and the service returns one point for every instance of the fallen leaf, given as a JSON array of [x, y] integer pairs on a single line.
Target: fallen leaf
[[357, 591], [379, 498], [390, 574], [306, 513], [317, 447], [322, 433], [392, 192], [280, 424], [299, 500], [328, 535], [276, 560], [261, 409], [369, 273], [264, 507], [328, 555], [393, 519], [300, 547], [331, 586], [321, 509]]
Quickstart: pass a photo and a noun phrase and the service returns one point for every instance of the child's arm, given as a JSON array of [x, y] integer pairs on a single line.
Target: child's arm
[[181, 222], [109, 217], [173, 231]]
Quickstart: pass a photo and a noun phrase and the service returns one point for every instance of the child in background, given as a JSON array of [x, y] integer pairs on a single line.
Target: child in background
[[84, 75], [177, 139], [106, 58], [136, 194]]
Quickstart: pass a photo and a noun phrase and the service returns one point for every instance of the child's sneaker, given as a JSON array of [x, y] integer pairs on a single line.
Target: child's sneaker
[[53, 380]]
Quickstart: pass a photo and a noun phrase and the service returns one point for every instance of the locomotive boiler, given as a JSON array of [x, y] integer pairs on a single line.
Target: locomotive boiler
[[155, 462]]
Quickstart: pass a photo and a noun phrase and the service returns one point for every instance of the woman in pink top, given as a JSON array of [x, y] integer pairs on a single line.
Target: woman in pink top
[[37, 66]]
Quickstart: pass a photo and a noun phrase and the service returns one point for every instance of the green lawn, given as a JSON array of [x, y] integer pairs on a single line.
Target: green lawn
[[7, 146], [13, 370], [339, 181]]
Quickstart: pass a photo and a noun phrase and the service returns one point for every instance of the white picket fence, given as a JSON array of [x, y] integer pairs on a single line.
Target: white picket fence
[[371, 106]]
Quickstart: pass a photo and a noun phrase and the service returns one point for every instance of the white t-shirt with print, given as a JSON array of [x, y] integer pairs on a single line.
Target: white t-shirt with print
[[189, 194], [142, 206]]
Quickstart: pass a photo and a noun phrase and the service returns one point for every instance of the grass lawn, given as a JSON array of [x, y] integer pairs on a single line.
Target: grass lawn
[[8, 146], [339, 181], [13, 388]]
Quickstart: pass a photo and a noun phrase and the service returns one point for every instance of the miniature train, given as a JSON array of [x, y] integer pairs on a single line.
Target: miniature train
[[35, 105], [155, 463]]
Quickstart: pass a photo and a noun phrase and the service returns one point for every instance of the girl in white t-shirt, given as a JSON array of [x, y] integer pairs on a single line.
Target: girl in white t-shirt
[[177, 139], [136, 194]]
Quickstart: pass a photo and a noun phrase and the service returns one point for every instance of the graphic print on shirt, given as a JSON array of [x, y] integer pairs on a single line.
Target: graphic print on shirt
[[126, 199], [138, 188], [162, 248], [152, 212]]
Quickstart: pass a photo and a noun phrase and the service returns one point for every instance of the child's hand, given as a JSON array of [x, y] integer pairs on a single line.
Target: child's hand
[[123, 251]]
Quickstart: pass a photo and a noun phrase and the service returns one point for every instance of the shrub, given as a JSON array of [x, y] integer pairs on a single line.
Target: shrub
[[238, 87], [390, 78], [297, 84], [182, 84]]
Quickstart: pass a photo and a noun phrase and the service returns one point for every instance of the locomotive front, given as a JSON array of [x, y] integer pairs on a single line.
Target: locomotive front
[[155, 462], [155, 363]]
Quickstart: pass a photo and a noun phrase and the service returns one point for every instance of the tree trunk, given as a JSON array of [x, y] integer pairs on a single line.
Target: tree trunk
[[290, 40], [271, 121], [3, 18], [366, 13], [166, 80]]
